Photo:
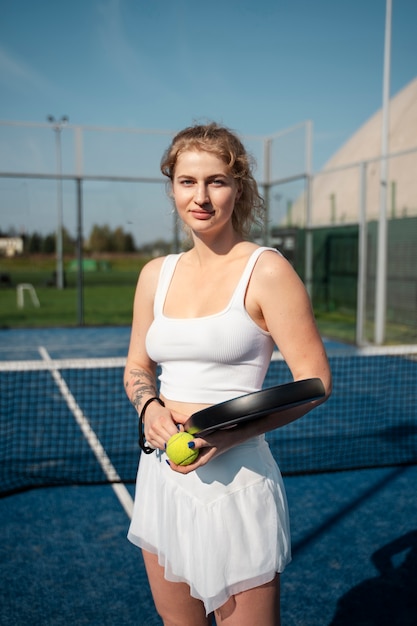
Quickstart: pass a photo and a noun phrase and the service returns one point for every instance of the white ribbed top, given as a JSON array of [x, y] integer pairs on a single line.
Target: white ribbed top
[[209, 359]]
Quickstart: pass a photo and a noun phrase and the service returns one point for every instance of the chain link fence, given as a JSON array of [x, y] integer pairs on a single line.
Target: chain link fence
[[326, 223]]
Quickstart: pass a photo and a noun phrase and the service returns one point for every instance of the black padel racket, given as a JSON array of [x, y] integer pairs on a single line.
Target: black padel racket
[[254, 405]]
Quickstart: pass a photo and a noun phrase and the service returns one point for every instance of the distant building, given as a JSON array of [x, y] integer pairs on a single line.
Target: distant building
[[10, 246], [336, 188]]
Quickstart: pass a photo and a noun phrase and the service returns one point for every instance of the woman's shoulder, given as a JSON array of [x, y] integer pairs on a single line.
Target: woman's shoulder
[[152, 267], [149, 274], [272, 265], [269, 256], [151, 271], [155, 265]]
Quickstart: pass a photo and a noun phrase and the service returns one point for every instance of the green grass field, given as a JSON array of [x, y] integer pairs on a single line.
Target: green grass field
[[108, 298], [103, 305], [107, 294]]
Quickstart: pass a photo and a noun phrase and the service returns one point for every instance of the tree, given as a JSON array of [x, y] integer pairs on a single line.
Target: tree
[[100, 239], [48, 244], [34, 243], [103, 239], [68, 243], [130, 245], [118, 240]]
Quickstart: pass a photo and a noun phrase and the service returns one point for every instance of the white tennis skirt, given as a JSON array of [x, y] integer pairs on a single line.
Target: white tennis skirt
[[222, 529]]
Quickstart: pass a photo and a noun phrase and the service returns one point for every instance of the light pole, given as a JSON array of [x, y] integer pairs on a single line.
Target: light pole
[[57, 126], [381, 267]]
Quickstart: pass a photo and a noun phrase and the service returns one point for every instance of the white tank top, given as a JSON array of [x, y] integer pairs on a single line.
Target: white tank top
[[209, 359]]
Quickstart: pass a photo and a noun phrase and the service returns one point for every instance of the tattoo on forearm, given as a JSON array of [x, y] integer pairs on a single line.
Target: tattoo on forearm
[[142, 384]]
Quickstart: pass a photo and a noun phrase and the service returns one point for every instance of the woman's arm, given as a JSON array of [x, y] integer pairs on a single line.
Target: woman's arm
[[140, 370], [278, 302], [284, 309], [220, 441]]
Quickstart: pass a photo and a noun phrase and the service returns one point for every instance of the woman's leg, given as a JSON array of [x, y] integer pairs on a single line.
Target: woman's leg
[[173, 600], [259, 606]]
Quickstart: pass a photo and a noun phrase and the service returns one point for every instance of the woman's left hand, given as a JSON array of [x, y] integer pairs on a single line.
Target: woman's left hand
[[209, 448]]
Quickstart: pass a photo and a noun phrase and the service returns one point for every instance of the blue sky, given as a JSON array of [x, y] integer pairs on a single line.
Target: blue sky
[[256, 66]]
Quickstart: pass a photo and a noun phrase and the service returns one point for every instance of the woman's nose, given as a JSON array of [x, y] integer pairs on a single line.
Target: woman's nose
[[201, 195]]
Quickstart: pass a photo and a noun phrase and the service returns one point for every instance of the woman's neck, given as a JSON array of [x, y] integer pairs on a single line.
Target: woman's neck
[[214, 259], [206, 250]]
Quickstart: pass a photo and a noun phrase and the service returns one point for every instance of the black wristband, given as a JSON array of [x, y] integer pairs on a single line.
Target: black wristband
[[142, 443]]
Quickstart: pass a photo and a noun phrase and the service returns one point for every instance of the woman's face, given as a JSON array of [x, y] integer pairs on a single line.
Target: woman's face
[[204, 191]]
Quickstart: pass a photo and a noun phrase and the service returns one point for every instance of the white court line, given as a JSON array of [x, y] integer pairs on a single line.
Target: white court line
[[93, 441]]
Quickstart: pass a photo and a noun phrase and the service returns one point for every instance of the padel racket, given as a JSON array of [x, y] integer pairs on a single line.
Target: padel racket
[[254, 405]]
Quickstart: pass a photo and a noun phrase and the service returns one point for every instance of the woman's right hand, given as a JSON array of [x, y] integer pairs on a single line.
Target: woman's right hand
[[160, 423]]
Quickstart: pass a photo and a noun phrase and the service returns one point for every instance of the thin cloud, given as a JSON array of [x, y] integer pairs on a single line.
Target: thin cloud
[[114, 41], [131, 62], [18, 75]]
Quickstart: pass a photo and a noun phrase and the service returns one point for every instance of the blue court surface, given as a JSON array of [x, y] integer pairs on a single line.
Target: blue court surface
[[65, 559], [64, 343]]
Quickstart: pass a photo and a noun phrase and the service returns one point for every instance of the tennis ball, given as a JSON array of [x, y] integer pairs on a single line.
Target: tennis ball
[[178, 451]]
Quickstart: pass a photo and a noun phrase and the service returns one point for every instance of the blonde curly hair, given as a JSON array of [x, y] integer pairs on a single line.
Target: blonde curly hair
[[222, 142]]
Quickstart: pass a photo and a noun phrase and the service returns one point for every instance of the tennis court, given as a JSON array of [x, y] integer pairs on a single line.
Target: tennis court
[[68, 457]]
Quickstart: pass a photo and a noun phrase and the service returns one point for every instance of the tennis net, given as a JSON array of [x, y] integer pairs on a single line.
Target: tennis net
[[66, 422]]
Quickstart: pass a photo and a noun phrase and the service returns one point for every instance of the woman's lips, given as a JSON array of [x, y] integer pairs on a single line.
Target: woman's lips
[[202, 215]]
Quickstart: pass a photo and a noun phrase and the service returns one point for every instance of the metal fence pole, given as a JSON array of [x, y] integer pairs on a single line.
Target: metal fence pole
[[309, 216], [381, 267], [308, 280], [267, 189], [57, 126], [362, 260], [80, 268]]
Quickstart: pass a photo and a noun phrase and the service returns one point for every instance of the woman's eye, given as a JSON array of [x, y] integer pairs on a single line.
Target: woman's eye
[[218, 182]]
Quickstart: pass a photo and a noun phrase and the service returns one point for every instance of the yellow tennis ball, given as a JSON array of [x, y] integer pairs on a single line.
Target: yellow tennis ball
[[178, 451]]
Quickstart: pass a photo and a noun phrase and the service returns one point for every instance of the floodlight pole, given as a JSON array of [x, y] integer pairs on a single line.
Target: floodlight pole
[[57, 126], [381, 267]]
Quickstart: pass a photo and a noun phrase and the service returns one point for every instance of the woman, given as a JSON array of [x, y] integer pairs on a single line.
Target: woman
[[215, 534]]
